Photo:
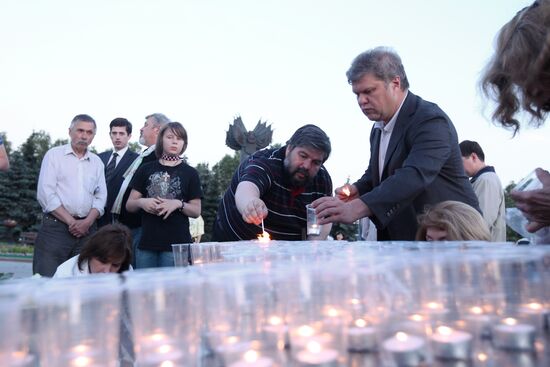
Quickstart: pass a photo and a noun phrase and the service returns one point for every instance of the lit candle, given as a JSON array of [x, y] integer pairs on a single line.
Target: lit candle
[[448, 343], [264, 237], [314, 229], [478, 322], [511, 335], [362, 337], [346, 191], [158, 350], [435, 309], [301, 336], [536, 313], [404, 349], [81, 355], [275, 333], [316, 355], [415, 324], [253, 359]]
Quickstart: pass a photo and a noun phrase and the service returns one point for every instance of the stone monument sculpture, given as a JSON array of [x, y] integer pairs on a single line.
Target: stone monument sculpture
[[247, 142]]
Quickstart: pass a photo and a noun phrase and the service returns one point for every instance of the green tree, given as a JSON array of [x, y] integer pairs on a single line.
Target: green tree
[[214, 183], [209, 204], [135, 146], [511, 235], [35, 147]]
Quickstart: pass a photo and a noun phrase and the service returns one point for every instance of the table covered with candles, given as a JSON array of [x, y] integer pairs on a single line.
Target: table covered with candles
[[326, 303]]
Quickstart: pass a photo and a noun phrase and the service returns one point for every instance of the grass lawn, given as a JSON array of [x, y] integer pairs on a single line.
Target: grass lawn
[[15, 249]]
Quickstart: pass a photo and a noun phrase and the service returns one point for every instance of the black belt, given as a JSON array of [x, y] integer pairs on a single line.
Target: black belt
[[51, 217]]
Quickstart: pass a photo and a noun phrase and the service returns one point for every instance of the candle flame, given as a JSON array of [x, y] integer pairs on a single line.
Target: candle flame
[[401, 336], [510, 321], [482, 357], [82, 361], [534, 306], [264, 237], [360, 323], [416, 317], [346, 191], [444, 330], [251, 356], [434, 305], [313, 347], [275, 320], [167, 364], [332, 312], [476, 310], [164, 349], [158, 337], [232, 339], [305, 331], [80, 348], [354, 301]]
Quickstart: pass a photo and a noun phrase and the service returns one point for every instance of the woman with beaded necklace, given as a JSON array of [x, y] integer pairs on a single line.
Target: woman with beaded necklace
[[167, 192]]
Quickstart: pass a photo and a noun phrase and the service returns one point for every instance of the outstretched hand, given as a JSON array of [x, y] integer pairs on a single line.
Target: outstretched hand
[[535, 204], [332, 209], [255, 211]]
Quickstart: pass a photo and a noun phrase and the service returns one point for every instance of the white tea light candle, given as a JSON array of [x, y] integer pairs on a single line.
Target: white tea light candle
[[512, 335], [253, 359], [316, 356], [448, 343], [404, 349], [362, 337]]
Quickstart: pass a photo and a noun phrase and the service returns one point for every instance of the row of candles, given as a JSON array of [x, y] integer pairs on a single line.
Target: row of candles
[[292, 304]]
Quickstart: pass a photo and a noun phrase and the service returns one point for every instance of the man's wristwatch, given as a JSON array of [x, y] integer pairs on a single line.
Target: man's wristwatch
[[182, 205]]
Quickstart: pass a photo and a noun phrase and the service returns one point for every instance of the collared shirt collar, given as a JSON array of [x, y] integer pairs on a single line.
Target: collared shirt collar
[[68, 149], [482, 171], [121, 152], [388, 128]]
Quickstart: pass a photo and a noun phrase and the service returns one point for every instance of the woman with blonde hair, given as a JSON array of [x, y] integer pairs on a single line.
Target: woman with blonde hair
[[452, 221]]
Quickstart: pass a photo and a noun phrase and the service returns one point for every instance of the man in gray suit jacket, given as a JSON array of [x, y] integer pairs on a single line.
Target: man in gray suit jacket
[[415, 160], [116, 163]]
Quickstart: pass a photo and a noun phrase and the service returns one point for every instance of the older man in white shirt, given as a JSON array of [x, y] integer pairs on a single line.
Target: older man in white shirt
[[72, 194]]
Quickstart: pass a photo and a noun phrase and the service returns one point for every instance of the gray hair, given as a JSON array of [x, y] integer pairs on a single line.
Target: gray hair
[[82, 118], [383, 62], [160, 119]]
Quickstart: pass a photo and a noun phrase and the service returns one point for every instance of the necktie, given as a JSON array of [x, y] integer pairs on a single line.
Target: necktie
[[110, 169]]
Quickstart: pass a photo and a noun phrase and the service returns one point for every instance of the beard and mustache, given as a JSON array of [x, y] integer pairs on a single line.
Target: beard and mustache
[[294, 179]]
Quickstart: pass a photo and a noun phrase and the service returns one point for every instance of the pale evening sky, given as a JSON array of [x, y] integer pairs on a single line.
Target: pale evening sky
[[204, 62]]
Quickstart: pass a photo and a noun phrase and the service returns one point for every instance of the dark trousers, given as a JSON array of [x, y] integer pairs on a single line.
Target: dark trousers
[[54, 245]]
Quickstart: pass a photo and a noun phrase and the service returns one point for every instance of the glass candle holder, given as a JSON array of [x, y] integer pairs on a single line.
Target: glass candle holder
[[87, 310]]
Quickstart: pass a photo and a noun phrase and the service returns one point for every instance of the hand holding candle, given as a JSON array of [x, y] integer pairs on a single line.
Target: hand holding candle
[[347, 192]]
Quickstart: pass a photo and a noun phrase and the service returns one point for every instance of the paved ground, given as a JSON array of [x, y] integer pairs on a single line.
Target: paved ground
[[20, 269]]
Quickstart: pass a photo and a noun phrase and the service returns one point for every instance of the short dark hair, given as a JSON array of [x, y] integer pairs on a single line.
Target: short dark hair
[[83, 118], [311, 136], [467, 147], [111, 243], [121, 122], [177, 129], [382, 62]]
